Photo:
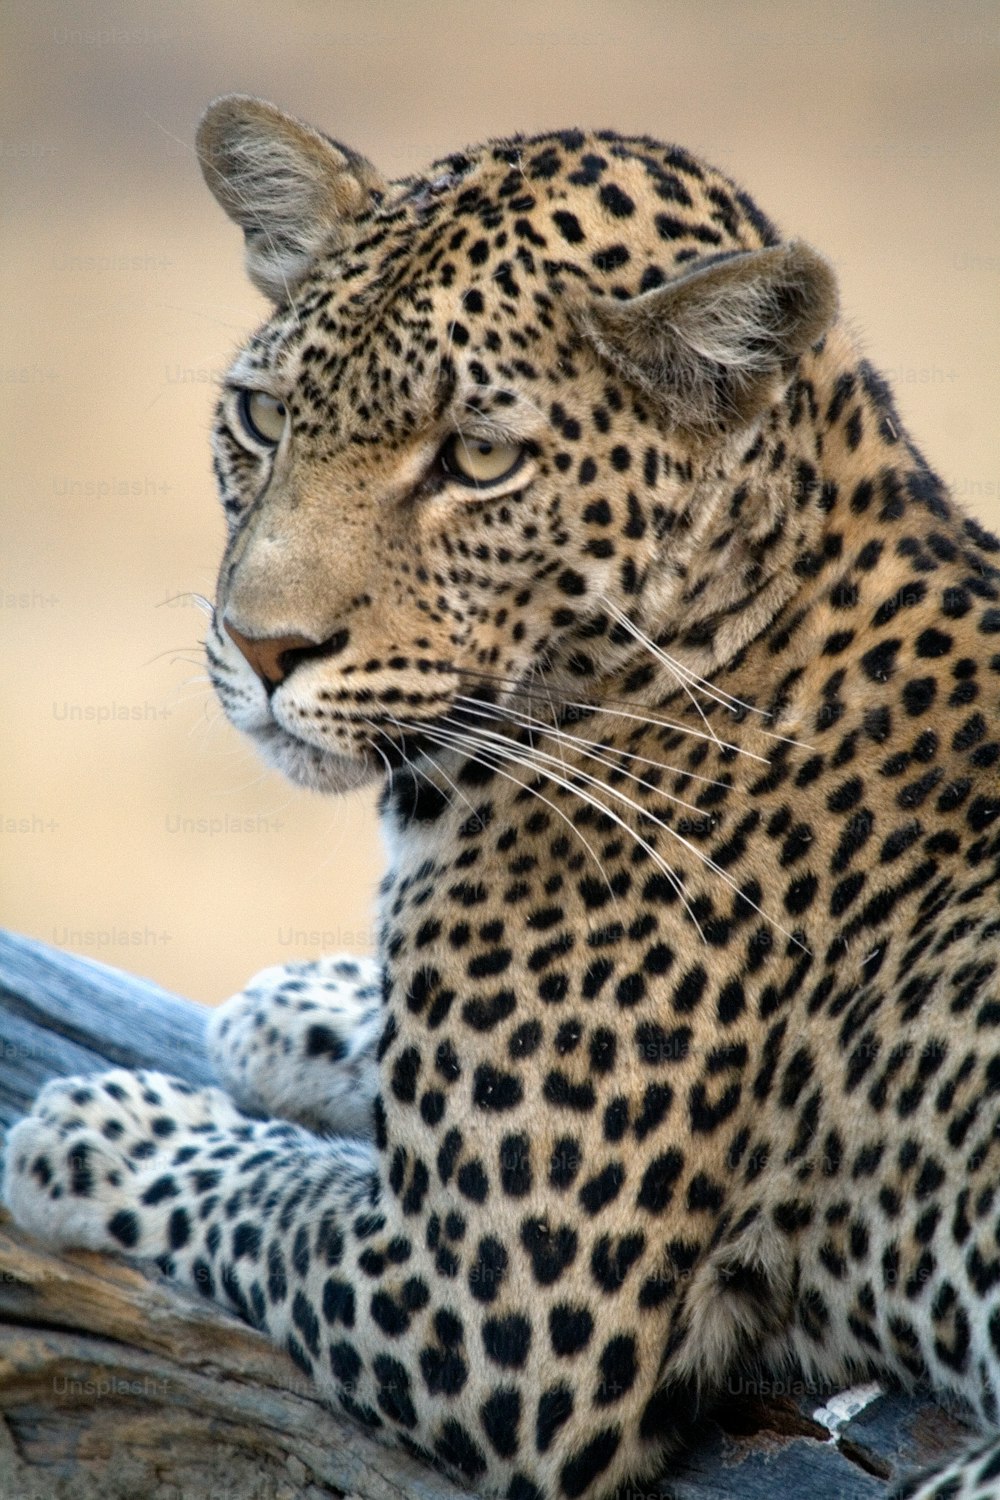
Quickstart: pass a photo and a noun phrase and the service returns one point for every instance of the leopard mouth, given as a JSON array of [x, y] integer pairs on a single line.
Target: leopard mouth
[[394, 728], [310, 765], [303, 732], [378, 749]]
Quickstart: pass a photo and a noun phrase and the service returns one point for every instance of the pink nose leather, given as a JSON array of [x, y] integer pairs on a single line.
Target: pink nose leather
[[269, 657]]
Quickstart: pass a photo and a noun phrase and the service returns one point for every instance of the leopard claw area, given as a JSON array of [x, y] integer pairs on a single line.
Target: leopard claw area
[[79, 1164]]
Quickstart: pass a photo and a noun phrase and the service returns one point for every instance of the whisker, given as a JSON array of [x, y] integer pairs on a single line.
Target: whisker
[[697, 734], [205, 605], [630, 803], [523, 399], [591, 748], [504, 748], [382, 756], [688, 678], [454, 786], [674, 668], [176, 653], [477, 757], [615, 706]]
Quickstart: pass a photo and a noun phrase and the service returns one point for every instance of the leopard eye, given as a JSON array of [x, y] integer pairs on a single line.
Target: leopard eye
[[480, 463], [263, 416]]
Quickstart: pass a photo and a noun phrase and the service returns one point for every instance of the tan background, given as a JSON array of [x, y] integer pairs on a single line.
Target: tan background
[[136, 826]]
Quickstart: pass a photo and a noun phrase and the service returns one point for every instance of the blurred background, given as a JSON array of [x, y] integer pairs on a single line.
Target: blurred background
[[135, 826]]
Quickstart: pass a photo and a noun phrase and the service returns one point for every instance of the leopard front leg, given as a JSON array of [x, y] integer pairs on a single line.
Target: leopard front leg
[[296, 1234], [418, 1324], [149, 1165], [299, 1043]]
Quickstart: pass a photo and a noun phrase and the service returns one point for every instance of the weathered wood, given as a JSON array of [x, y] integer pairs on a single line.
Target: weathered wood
[[60, 1014], [115, 1384], [105, 1372]]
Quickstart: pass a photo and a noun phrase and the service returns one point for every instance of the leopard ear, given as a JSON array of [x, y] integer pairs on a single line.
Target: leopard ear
[[715, 347], [288, 187]]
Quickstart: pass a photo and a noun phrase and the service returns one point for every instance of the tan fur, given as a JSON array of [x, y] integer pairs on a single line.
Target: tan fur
[[684, 1046], [285, 184], [716, 343]]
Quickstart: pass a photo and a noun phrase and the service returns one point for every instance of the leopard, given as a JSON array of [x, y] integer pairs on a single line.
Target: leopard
[[565, 508]]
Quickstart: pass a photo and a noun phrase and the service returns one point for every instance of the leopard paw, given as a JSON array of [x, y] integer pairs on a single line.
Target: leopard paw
[[299, 1043], [82, 1168]]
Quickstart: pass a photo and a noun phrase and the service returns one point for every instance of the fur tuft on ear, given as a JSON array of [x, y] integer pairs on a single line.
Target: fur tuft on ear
[[287, 186], [714, 348]]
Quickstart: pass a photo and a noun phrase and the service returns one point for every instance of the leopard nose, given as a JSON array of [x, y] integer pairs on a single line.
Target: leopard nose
[[272, 658]]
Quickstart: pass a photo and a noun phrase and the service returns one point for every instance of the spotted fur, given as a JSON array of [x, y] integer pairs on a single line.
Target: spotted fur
[[686, 1047]]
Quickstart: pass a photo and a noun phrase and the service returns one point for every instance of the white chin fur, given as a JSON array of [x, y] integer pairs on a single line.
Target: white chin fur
[[308, 766]]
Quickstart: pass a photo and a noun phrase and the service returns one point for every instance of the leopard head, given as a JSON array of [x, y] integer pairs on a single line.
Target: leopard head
[[489, 433]]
